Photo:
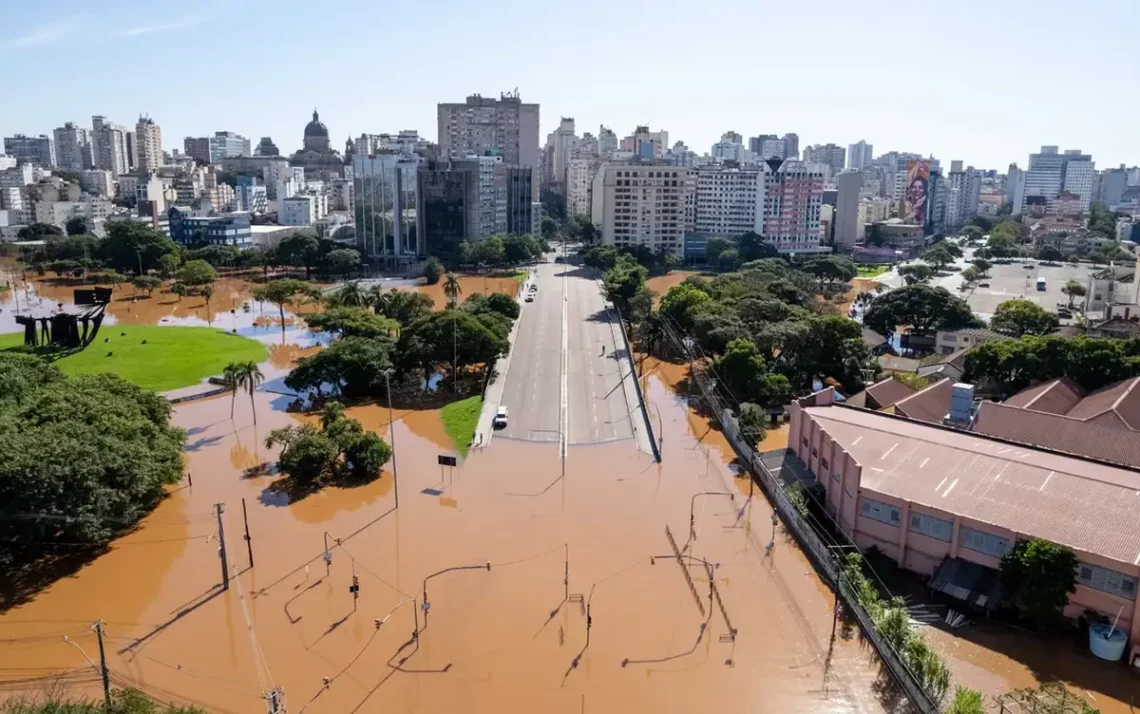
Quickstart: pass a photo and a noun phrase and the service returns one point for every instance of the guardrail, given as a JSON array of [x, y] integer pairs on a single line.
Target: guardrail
[[637, 386]]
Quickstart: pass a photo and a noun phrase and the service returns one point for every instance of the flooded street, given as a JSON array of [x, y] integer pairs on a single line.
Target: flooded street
[[509, 638]]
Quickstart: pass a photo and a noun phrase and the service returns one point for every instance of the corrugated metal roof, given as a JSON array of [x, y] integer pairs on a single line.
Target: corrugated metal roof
[[1059, 432], [930, 404], [1056, 396], [1084, 505]]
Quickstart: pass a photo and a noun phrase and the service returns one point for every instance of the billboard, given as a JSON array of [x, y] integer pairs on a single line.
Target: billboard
[[917, 190]]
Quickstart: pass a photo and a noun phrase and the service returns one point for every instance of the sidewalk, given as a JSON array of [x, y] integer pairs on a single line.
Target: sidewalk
[[633, 404], [484, 430]]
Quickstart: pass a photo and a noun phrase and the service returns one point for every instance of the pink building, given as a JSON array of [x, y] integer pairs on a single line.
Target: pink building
[[939, 499]]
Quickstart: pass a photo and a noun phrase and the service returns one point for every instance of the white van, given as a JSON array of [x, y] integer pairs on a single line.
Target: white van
[[500, 420]]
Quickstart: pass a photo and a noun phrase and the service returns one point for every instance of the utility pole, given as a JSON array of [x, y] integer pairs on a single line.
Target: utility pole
[[219, 509], [392, 425], [248, 540], [98, 627]]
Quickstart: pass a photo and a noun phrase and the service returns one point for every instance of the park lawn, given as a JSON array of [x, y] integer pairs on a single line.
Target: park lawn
[[871, 271], [460, 419], [172, 357]]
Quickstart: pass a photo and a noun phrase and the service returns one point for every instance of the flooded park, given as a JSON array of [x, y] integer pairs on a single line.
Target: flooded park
[[517, 581]]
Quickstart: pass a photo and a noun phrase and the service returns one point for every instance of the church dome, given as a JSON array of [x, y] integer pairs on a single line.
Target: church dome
[[316, 127]]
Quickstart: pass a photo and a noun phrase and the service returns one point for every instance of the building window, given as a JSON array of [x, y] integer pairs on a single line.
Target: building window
[[824, 463], [1108, 581], [804, 440], [930, 526], [883, 512], [983, 542]]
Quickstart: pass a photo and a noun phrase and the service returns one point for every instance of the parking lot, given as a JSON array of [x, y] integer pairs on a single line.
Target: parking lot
[[1017, 280]]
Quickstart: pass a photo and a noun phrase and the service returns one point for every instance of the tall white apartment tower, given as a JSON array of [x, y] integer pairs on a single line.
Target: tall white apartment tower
[[148, 145]]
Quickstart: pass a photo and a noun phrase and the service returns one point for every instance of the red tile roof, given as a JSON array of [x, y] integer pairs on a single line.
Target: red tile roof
[[1084, 505]]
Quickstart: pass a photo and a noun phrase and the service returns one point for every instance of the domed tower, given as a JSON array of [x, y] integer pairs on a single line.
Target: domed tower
[[349, 150], [316, 135]]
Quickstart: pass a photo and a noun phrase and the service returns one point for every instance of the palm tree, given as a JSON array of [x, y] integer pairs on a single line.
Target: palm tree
[[229, 375], [351, 295], [451, 289], [248, 377], [207, 292]]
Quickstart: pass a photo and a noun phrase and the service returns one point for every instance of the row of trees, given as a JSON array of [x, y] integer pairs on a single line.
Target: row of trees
[[339, 450], [398, 334], [1011, 365]]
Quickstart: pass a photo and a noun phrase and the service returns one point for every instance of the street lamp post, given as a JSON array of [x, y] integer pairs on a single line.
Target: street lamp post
[[392, 425]]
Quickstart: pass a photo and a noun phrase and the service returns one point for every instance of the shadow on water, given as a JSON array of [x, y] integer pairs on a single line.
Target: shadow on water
[[28, 569]]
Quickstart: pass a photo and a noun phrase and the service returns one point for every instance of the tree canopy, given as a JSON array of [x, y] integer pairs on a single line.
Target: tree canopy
[[1038, 576], [84, 457], [129, 243], [923, 307], [1092, 362], [339, 449], [196, 273], [913, 273], [1023, 317]]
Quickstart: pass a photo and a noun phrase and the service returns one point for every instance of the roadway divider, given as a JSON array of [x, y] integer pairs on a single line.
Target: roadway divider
[[637, 386]]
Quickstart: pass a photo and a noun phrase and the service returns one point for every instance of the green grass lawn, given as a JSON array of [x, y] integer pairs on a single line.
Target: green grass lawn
[[172, 357], [870, 271], [460, 419]]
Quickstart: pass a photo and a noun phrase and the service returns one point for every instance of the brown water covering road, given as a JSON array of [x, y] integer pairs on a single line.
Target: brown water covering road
[[470, 285], [505, 637]]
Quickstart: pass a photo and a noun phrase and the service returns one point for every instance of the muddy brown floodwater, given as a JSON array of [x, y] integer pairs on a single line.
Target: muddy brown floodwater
[[470, 285], [511, 637]]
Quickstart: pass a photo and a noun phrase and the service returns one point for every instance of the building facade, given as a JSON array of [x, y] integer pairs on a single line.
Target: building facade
[[98, 183], [72, 147], [1051, 172], [109, 146], [215, 230], [793, 196], [643, 204], [860, 155], [148, 145], [579, 184], [830, 156], [385, 187], [228, 145], [479, 126], [727, 200], [38, 150], [850, 186], [198, 148]]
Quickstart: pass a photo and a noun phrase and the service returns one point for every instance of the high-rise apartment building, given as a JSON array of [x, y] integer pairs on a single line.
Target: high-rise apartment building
[[642, 204], [72, 147], [727, 200], [793, 196], [833, 157], [849, 185], [964, 190], [1051, 172], [773, 148], [860, 155], [607, 142], [1014, 188], [109, 146], [38, 150], [504, 126], [228, 145], [560, 146], [756, 144], [148, 145], [1113, 183], [580, 174], [791, 146], [779, 200], [198, 148]]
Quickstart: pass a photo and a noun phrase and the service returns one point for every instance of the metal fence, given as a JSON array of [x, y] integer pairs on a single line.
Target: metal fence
[[811, 544]]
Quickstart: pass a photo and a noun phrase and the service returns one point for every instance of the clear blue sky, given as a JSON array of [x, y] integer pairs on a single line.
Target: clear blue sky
[[986, 81]]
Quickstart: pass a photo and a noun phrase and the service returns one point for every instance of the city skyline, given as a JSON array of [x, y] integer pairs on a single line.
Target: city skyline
[[848, 96]]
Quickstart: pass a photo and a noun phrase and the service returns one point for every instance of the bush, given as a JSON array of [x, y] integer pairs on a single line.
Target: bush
[[433, 271]]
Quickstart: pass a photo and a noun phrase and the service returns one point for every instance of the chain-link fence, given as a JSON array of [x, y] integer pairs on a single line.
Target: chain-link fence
[[809, 541]]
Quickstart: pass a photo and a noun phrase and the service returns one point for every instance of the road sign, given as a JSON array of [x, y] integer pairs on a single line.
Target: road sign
[[445, 460]]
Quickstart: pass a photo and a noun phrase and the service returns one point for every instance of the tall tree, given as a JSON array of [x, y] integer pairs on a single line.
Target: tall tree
[[284, 291], [131, 247], [249, 376], [196, 273], [1074, 290], [351, 294], [1022, 317], [300, 251], [923, 307], [914, 273], [230, 378], [452, 289], [1038, 577], [342, 261]]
